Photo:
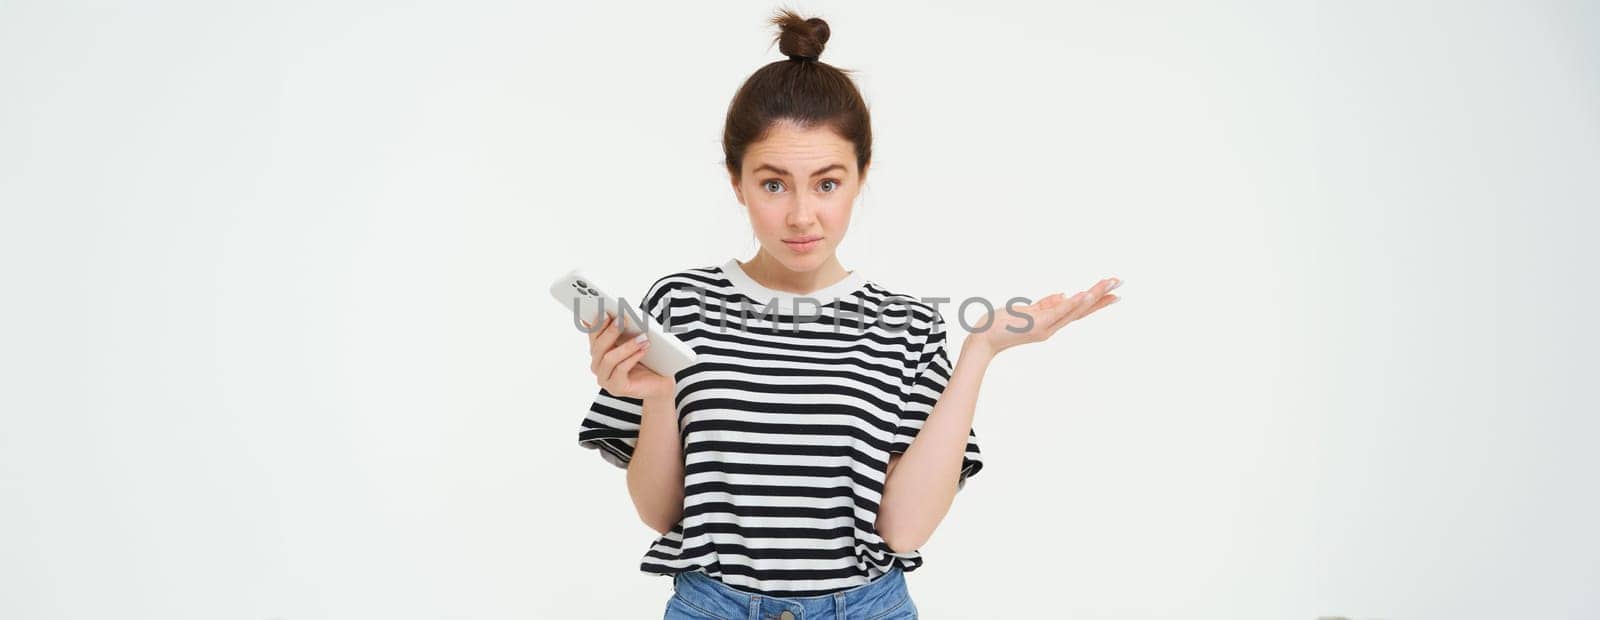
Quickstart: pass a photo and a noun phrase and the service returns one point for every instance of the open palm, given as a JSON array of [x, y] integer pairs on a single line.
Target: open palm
[[1046, 316]]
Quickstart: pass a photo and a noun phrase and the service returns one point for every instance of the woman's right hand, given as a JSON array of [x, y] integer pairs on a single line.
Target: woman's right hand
[[615, 362]]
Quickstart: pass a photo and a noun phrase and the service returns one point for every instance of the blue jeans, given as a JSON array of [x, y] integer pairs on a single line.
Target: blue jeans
[[698, 596]]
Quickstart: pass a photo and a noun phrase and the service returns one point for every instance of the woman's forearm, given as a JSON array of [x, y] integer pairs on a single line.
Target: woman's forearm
[[922, 486], [655, 473]]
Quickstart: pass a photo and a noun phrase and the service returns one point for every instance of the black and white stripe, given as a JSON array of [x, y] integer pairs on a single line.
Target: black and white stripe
[[787, 426]]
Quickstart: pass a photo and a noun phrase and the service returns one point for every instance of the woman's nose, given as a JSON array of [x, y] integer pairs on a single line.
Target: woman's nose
[[803, 213]]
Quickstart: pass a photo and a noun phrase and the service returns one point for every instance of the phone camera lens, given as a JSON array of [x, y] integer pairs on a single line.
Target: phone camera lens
[[581, 284]]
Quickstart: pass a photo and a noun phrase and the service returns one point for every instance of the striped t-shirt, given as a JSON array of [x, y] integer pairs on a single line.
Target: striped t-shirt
[[787, 424]]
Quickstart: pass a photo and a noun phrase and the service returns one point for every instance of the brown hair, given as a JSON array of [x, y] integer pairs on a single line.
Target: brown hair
[[802, 90]]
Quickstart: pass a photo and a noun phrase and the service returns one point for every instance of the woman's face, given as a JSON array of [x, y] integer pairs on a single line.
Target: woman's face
[[799, 186]]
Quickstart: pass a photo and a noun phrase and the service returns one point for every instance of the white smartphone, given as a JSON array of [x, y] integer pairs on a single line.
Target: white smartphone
[[578, 293]]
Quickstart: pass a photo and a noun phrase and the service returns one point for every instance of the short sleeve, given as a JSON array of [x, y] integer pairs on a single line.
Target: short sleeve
[[932, 374], [611, 426]]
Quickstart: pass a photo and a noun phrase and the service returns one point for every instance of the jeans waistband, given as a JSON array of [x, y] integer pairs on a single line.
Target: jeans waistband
[[882, 594]]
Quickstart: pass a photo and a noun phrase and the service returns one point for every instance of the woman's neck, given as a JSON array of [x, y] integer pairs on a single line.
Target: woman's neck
[[772, 274]]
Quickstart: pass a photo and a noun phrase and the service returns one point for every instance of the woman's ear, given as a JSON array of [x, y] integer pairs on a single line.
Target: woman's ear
[[738, 193]]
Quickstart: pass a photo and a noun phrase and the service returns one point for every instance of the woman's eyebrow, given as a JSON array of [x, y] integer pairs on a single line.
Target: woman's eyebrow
[[786, 172]]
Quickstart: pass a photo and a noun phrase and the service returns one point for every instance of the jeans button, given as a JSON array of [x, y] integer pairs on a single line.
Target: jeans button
[[786, 615]]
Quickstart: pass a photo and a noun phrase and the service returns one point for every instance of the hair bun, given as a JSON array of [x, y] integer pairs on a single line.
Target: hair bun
[[800, 38]]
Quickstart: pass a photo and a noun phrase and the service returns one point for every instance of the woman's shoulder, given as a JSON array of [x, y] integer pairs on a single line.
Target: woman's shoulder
[[690, 278], [925, 311]]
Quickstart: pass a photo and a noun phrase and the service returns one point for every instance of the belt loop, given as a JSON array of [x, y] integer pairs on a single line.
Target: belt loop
[[755, 607], [838, 605]]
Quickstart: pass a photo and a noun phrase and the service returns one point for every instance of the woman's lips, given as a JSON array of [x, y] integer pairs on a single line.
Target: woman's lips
[[803, 244]]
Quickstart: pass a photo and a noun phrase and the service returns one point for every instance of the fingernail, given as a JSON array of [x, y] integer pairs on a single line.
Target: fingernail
[[642, 337], [1114, 284]]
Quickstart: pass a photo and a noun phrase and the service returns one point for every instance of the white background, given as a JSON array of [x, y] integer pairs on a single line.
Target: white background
[[277, 342]]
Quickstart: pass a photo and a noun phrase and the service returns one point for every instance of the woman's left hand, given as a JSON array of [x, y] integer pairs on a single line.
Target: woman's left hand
[[1048, 315]]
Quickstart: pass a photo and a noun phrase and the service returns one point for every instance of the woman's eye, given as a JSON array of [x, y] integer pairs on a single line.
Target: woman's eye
[[830, 184], [769, 185]]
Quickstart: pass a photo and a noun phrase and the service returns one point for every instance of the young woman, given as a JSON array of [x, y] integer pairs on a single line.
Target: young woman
[[823, 433]]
